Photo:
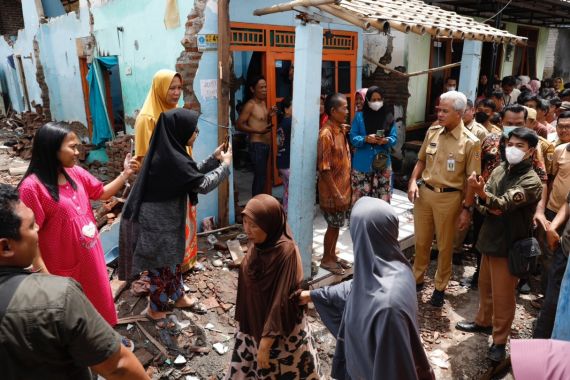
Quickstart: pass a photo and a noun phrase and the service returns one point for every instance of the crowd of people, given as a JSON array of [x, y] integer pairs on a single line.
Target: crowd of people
[[506, 177]]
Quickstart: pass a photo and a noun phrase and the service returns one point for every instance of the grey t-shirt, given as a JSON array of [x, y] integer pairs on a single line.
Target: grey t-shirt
[[51, 331], [565, 239]]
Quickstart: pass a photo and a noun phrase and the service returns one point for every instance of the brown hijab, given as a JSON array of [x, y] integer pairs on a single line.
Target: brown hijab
[[269, 273]]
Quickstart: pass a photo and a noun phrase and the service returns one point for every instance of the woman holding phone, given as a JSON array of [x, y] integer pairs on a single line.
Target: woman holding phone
[[373, 134]]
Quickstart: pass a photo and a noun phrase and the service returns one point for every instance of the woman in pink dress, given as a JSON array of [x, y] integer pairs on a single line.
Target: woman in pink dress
[[59, 192]]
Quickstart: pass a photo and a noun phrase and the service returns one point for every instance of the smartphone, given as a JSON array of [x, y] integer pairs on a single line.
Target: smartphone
[[132, 147], [380, 133]]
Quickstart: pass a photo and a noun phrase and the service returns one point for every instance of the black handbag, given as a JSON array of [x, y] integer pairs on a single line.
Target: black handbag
[[523, 254]]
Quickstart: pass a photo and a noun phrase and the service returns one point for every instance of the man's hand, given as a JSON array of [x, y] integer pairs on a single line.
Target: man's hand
[[539, 219], [552, 239], [464, 220], [413, 191], [495, 211], [302, 297], [226, 157], [218, 152], [372, 139], [477, 183]]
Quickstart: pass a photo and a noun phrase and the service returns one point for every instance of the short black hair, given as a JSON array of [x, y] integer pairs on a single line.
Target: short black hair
[[509, 80], [515, 108], [333, 101], [252, 82], [495, 118], [489, 103], [469, 103], [525, 134], [564, 115], [9, 222], [556, 102], [527, 97], [450, 78], [543, 105], [497, 94], [285, 103]]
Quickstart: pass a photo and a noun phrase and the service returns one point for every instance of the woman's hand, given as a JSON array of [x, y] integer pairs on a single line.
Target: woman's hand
[[263, 352], [382, 141], [131, 165], [226, 157], [218, 152], [372, 139]]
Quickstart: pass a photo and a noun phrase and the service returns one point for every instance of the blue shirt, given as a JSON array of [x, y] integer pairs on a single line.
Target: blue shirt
[[365, 152]]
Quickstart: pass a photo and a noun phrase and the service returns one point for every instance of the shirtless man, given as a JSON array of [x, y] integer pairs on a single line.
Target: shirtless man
[[255, 119]]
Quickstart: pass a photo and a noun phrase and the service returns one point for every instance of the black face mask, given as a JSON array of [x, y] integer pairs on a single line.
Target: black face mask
[[481, 117]]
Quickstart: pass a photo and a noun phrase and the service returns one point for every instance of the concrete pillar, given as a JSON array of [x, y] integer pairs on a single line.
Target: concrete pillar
[[305, 128], [470, 65]]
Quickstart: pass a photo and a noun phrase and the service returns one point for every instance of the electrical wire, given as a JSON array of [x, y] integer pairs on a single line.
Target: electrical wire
[[498, 13]]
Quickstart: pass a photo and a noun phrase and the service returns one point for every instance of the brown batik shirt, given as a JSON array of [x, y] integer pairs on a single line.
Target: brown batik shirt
[[333, 159]]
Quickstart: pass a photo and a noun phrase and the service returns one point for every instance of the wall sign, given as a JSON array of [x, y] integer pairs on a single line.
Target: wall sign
[[207, 42]]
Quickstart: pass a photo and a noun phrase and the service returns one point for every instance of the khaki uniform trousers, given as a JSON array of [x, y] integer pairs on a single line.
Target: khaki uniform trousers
[[435, 212], [497, 297]]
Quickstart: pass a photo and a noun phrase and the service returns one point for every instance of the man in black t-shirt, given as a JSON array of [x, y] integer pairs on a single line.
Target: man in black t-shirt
[[48, 328]]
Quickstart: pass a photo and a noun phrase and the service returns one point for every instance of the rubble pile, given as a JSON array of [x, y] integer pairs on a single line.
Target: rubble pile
[[116, 151], [19, 130]]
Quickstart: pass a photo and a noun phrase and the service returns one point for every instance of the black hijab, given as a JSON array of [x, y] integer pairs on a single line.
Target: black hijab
[[375, 120], [381, 304], [168, 171]]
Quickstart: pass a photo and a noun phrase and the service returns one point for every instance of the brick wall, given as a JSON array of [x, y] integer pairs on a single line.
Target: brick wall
[[11, 18], [394, 86]]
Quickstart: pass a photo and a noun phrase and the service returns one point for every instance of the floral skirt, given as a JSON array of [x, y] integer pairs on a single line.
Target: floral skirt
[[375, 184], [291, 358], [191, 250]]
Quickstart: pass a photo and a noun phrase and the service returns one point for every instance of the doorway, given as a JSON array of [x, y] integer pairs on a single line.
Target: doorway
[[269, 51]]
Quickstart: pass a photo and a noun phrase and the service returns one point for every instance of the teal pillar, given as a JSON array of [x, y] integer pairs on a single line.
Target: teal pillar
[[470, 65], [305, 129]]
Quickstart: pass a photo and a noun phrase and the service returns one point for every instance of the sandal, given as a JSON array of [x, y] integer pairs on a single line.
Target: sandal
[[196, 308], [336, 268], [128, 343], [344, 264]]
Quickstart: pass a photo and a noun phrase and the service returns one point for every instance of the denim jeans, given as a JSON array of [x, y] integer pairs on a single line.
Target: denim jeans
[[545, 321], [259, 155]]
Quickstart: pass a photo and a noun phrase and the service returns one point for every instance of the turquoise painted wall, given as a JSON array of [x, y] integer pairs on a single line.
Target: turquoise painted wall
[[417, 59]]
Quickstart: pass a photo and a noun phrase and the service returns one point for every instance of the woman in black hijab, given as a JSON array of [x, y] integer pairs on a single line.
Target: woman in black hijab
[[373, 134], [152, 228], [374, 316]]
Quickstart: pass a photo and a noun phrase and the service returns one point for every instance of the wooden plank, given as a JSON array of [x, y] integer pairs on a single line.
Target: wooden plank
[[156, 343], [223, 100]]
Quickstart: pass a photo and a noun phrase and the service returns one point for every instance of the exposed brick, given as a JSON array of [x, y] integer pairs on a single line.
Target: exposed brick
[[11, 17], [394, 86]]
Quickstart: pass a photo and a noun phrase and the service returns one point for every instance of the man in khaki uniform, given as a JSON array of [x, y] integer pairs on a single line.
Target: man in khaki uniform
[[449, 154]]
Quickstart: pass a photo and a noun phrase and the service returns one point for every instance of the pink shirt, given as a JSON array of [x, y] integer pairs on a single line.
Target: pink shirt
[[68, 235]]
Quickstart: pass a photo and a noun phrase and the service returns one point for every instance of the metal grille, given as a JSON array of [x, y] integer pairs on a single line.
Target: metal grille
[[248, 37]]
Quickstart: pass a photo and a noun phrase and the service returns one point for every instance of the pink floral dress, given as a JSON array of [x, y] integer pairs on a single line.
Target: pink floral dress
[[68, 236]]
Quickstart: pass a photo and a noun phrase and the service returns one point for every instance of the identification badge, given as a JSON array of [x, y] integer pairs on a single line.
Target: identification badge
[[450, 164]]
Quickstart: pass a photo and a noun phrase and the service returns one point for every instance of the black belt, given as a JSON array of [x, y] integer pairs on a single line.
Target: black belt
[[441, 189]]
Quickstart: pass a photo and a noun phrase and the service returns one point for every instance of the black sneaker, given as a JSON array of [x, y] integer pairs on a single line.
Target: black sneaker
[[419, 287], [457, 259], [497, 352], [472, 327], [437, 298]]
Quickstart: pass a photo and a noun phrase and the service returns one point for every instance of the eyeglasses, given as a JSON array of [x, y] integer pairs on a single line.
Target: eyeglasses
[[563, 127]]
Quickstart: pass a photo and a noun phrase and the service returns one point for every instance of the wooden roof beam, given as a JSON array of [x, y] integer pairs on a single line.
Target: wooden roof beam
[[277, 8]]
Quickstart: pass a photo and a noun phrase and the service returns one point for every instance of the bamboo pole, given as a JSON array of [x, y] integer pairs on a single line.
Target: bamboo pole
[[290, 6], [384, 67], [432, 70], [344, 15]]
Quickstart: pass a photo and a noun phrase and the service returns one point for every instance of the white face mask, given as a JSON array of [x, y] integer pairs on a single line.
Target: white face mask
[[375, 106], [514, 155], [451, 88]]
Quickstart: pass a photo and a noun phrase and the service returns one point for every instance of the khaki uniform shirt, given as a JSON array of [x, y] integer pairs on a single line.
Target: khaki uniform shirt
[[478, 130], [450, 156], [545, 153], [561, 173], [494, 129]]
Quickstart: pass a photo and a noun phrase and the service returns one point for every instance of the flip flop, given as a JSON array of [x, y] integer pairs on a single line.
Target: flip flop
[[335, 269], [128, 343], [344, 264], [196, 308]]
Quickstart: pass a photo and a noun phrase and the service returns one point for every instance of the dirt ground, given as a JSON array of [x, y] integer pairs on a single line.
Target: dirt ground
[[454, 354]]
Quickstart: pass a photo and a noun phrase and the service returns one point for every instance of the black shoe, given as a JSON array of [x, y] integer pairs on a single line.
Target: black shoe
[[472, 327], [437, 298], [419, 287], [475, 281], [496, 352]]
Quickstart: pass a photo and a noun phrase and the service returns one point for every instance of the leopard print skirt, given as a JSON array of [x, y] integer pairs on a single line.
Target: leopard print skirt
[[291, 358]]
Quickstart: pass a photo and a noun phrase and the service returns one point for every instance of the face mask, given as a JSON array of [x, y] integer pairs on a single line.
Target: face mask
[[375, 106], [514, 155], [507, 130], [451, 88], [481, 117]]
